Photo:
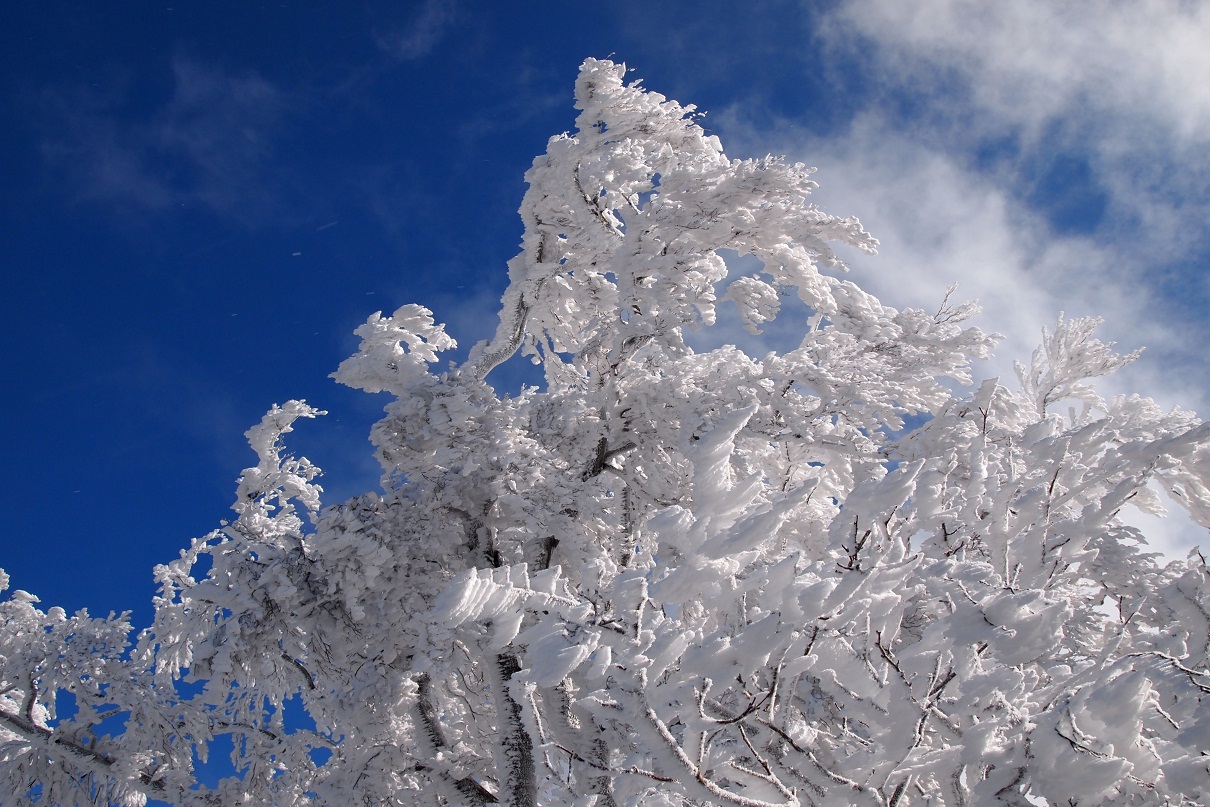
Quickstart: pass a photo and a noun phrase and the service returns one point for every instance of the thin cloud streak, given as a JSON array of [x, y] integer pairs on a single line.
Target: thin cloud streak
[[423, 34], [209, 145]]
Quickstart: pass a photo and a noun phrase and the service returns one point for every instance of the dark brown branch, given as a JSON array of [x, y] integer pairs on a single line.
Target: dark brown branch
[[298, 665], [522, 786], [600, 461], [548, 551], [46, 738], [430, 724], [632, 770]]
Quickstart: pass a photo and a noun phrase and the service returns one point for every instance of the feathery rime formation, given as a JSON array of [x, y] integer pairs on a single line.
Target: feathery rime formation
[[669, 577]]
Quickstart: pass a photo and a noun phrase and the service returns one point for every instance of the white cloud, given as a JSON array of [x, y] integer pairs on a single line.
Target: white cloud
[[1035, 60], [1123, 85]]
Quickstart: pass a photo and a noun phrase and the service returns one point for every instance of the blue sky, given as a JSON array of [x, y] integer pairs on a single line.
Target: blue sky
[[199, 202]]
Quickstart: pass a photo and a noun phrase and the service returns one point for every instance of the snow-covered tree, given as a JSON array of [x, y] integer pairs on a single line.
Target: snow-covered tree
[[838, 574]]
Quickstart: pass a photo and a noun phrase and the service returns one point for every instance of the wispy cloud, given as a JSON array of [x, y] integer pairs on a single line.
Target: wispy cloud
[[1125, 86], [423, 33], [208, 145]]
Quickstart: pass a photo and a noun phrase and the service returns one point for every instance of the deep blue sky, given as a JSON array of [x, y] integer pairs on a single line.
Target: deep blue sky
[[199, 202]]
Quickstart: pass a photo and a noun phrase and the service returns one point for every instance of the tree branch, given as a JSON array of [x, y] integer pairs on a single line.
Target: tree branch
[[94, 761]]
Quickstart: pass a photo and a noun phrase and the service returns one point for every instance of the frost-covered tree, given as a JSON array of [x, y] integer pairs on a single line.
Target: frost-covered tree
[[839, 574]]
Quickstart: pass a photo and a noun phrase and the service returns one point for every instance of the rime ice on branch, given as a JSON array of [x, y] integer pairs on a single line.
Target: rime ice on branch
[[668, 577]]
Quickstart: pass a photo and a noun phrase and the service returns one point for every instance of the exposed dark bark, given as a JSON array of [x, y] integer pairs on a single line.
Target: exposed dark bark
[[579, 735], [430, 726], [548, 551], [603, 455], [81, 756], [427, 710], [519, 781]]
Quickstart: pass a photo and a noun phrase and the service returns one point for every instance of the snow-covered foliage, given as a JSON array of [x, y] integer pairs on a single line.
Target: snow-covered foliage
[[839, 574]]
